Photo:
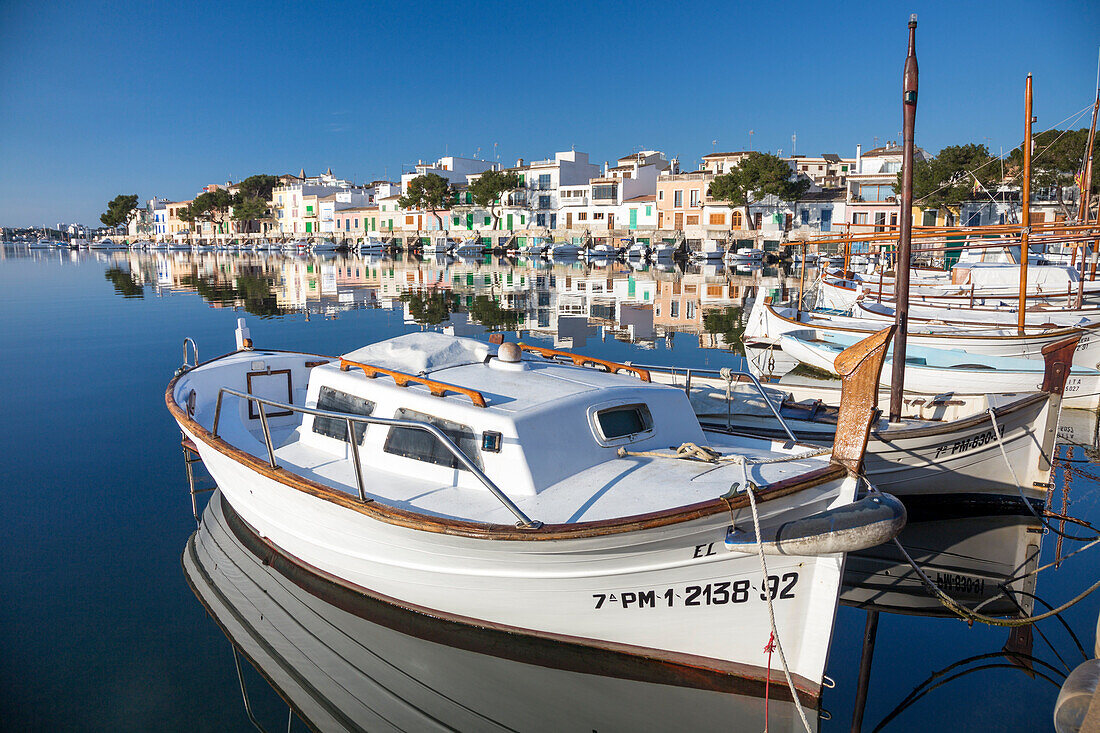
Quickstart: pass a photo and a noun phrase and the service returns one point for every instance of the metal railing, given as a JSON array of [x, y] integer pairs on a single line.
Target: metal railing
[[725, 374], [348, 419]]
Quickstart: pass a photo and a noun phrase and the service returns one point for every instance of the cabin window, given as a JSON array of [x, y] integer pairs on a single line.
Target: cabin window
[[423, 446], [332, 400], [624, 421]]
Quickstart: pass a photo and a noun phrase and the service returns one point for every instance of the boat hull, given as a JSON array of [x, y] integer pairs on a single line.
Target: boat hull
[[345, 661], [671, 591]]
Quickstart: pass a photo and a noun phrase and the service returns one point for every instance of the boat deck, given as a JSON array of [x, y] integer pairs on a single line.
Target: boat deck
[[619, 487]]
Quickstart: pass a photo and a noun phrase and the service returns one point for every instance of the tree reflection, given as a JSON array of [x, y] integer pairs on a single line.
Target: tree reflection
[[488, 313], [124, 283], [727, 323], [431, 309], [249, 292]]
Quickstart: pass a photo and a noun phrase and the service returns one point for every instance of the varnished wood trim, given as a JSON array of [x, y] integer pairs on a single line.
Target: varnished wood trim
[[401, 379], [581, 360], [484, 530]]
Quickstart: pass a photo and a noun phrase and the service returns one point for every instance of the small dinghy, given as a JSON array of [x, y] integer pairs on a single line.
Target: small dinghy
[[533, 492]]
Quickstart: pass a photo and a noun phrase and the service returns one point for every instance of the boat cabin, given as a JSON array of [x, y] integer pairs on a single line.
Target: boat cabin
[[514, 418]]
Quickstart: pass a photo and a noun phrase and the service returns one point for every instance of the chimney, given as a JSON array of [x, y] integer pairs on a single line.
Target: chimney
[[606, 168], [519, 162], [859, 157]]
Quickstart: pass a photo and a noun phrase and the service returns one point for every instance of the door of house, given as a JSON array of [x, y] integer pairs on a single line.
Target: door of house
[[509, 222], [470, 221], [553, 221], [633, 218], [610, 221], [309, 227], [569, 220], [679, 221], [826, 220]]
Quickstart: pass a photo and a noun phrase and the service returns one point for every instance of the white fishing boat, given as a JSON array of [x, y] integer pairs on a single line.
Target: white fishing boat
[[534, 245], [323, 245], [767, 324], [1004, 315], [105, 243], [946, 444], [937, 370], [637, 250], [469, 247], [511, 492], [663, 251], [601, 251], [437, 246], [744, 254], [372, 245], [563, 250], [712, 249], [356, 664]]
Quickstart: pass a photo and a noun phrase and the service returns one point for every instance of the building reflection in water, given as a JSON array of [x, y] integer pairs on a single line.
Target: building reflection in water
[[568, 303]]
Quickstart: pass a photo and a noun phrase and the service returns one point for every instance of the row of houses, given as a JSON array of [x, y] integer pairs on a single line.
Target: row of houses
[[642, 195]]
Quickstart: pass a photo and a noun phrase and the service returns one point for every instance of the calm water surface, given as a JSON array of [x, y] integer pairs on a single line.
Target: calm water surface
[[100, 629]]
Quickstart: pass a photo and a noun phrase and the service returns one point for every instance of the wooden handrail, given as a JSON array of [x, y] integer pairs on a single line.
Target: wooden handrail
[[580, 360], [401, 379]]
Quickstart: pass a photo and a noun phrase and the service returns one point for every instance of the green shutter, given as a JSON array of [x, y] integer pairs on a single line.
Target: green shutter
[[509, 222]]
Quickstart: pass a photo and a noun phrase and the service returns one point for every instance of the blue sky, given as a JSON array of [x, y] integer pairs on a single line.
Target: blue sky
[[160, 99]]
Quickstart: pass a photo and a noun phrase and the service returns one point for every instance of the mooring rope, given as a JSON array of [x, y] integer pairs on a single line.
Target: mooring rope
[[694, 452], [749, 489]]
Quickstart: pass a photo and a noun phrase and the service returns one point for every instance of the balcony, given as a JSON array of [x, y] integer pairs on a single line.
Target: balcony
[[573, 201]]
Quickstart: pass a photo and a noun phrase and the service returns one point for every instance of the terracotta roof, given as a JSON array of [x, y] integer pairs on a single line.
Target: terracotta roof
[[643, 198]]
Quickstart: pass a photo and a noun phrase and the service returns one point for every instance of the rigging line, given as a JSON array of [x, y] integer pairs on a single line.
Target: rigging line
[[1065, 624], [1007, 592], [977, 658], [751, 491], [969, 615], [1019, 486], [1004, 155], [897, 711]]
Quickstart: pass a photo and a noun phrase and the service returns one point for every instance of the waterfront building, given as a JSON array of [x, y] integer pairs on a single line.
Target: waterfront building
[[871, 203], [451, 167], [719, 163], [827, 171], [543, 178], [176, 228], [295, 202], [597, 206]]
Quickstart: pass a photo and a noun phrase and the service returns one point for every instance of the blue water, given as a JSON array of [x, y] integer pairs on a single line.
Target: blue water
[[99, 630]]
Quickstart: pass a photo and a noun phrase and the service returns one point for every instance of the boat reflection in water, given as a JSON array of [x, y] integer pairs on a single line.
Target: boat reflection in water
[[975, 547], [344, 661]]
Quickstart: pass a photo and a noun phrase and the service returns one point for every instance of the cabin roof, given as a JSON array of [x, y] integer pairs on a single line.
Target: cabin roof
[[463, 362]]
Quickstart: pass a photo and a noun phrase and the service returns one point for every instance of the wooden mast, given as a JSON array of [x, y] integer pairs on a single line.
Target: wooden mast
[[1085, 183], [905, 234], [1025, 195]]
